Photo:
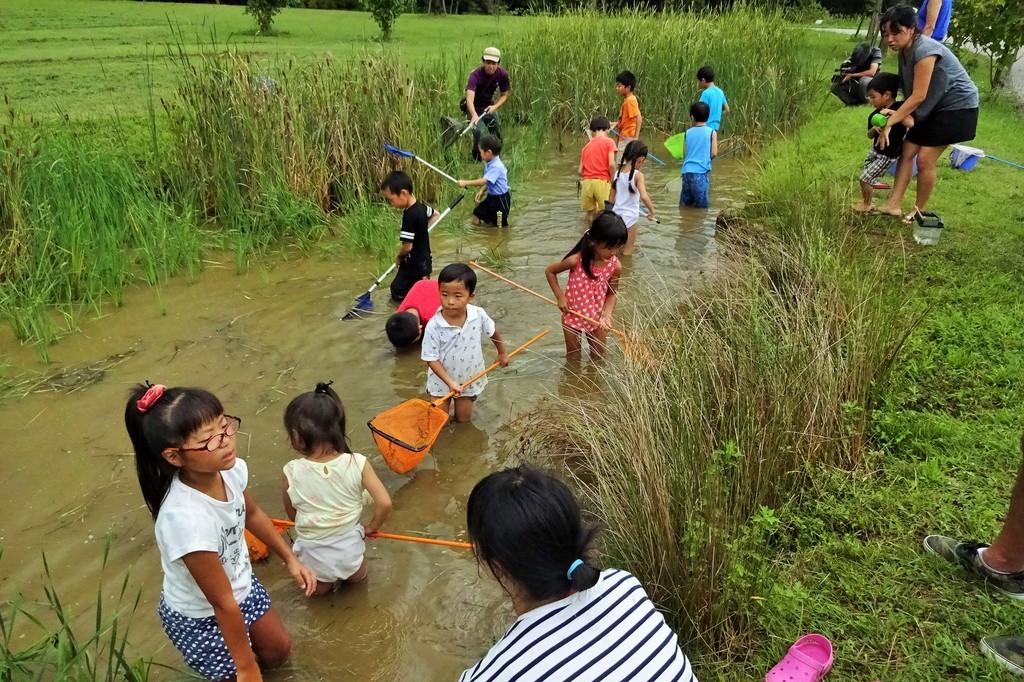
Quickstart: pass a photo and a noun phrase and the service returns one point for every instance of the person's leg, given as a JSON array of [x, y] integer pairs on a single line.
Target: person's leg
[[463, 409], [630, 246], [573, 342], [904, 171], [270, 641], [359, 576], [1006, 553], [703, 189], [686, 196], [866, 193], [598, 341], [926, 162]]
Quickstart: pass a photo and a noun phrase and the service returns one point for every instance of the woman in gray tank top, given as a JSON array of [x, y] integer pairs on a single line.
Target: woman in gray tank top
[[940, 102]]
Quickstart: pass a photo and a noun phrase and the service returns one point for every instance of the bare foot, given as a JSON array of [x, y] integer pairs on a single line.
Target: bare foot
[[885, 209], [861, 207]]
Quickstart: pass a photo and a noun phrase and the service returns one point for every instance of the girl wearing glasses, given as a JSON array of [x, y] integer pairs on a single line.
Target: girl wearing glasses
[[213, 609]]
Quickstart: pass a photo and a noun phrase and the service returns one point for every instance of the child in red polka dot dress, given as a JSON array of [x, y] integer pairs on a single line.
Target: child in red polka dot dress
[[593, 277]]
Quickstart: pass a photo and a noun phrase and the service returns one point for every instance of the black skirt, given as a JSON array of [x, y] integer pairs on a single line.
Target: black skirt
[[944, 128]]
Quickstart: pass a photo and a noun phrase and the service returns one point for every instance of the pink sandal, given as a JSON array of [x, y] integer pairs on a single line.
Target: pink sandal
[[808, 660]]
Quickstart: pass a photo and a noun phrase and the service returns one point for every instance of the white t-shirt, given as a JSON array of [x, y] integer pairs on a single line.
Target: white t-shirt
[[327, 496], [458, 349], [190, 521], [610, 632]]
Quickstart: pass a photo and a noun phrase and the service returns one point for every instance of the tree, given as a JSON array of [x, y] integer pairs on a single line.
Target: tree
[[263, 12], [385, 13], [994, 27]]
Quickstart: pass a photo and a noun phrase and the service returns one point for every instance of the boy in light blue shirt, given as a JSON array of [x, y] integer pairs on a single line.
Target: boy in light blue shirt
[[701, 147], [498, 203], [712, 95]]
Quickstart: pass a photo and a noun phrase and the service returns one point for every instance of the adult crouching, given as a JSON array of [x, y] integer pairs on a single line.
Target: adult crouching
[[938, 94]]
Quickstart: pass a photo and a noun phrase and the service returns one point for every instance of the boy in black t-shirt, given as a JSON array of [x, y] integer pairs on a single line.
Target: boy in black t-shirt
[[413, 257], [882, 96]]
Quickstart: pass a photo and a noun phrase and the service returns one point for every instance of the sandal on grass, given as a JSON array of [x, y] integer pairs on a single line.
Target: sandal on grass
[[808, 660], [893, 213], [909, 218]]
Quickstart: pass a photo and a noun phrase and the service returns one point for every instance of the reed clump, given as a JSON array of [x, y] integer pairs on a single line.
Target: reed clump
[[770, 365]]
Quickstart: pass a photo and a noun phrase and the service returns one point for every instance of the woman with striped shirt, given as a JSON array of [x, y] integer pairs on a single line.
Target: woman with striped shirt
[[574, 621]]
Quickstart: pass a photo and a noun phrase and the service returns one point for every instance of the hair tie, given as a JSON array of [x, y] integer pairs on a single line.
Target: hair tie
[[322, 387], [572, 567], [149, 398]]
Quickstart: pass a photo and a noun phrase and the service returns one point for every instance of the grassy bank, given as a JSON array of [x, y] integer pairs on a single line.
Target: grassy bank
[[235, 161], [788, 472]]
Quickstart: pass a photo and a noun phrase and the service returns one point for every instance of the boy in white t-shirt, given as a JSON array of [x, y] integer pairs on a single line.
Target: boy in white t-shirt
[[452, 341]]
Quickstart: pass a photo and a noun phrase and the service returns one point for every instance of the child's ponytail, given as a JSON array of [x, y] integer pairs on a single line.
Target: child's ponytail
[[159, 418], [317, 419], [607, 229], [634, 150]]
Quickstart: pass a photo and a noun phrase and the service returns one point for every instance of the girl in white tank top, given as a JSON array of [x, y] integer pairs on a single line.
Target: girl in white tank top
[[629, 189]]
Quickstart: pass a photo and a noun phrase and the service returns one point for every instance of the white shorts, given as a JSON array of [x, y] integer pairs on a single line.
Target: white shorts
[[335, 558]]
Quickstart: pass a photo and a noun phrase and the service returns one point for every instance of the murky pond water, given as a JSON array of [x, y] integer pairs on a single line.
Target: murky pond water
[[257, 340]]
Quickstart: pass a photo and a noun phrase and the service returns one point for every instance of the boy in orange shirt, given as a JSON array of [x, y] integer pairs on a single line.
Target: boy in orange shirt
[[630, 119], [597, 164]]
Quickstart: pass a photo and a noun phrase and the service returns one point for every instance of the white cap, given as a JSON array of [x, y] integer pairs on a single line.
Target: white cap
[[492, 54]]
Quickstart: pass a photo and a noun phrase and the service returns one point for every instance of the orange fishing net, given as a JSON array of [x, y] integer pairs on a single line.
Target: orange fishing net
[[405, 433]]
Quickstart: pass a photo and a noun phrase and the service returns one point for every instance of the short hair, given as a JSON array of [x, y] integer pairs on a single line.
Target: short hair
[[458, 272], [396, 181], [884, 82], [600, 123], [706, 74], [898, 18], [491, 143], [627, 79], [402, 329], [700, 112]]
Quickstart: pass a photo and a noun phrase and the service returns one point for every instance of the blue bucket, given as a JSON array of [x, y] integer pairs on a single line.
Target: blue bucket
[[892, 167]]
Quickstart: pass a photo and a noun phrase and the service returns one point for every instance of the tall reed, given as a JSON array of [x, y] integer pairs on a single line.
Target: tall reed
[[50, 644], [773, 363], [565, 68]]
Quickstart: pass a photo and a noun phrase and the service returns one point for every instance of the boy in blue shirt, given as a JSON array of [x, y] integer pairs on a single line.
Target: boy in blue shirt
[[701, 147], [494, 182], [712, 95]]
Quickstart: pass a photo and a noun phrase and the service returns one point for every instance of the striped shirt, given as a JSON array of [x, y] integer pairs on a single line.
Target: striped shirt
[[610, 632]]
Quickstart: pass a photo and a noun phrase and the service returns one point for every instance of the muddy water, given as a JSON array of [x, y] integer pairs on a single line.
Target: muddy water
[[257, 340]]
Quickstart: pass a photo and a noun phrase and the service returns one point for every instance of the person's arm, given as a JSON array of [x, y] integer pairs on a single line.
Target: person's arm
[[611, 192], [404, 249], [442, 374], [870, 72], [206, 570], [289, 508], [499, 345], [380, 497], [922, 80], [496, 105], [258, 523], [714, 144], [611, 163], [639, 124], [610, 299], [479, 182], [641, 187], [931, 16], [552, 271], [579, 169]]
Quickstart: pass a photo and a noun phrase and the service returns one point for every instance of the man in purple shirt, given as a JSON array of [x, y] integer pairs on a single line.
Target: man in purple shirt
[[479, 104]]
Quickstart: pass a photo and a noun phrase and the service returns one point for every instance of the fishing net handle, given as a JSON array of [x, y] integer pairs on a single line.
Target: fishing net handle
[[517, 285], [494, 365]]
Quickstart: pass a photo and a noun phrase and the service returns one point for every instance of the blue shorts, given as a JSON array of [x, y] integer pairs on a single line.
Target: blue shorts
[[695, 190], [199, 639]]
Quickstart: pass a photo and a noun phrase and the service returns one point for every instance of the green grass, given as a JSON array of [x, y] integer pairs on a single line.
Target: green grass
[[845, 558], [90, 58]]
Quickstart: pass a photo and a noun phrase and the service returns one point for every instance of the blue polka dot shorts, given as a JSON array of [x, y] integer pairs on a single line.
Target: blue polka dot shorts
[[199, 639]]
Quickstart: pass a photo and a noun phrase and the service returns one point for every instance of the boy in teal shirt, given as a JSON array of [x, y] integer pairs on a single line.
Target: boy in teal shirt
[[712, 95], [701, 147]]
